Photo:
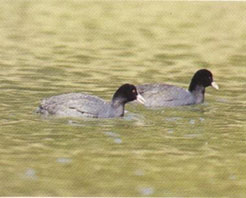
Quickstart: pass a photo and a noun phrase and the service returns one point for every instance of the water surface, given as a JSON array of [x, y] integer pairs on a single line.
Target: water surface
[[53, 47]]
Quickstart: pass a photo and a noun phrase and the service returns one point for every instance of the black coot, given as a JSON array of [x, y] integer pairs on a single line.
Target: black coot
[[164, 95], [84, 105]]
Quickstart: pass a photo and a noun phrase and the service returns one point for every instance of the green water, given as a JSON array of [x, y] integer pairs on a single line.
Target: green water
[[52, 47]]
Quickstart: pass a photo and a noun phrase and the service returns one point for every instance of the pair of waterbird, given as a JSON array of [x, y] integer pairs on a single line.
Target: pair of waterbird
[[151, 95]]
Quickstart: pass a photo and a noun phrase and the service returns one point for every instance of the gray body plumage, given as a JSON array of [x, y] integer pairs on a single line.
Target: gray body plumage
[[79, 105], [158, 95]]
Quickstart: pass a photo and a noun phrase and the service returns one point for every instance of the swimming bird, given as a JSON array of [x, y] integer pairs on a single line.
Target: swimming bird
[[84, 105], [165, 95]]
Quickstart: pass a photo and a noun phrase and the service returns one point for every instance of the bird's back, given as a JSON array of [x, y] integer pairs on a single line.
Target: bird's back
[[157, 95], [74, 105]]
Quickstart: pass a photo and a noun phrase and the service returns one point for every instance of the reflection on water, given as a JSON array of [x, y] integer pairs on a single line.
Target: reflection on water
[[53, 47]]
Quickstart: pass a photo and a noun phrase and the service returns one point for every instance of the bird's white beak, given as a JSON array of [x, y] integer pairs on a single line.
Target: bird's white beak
[[214, 85], [140, 99]]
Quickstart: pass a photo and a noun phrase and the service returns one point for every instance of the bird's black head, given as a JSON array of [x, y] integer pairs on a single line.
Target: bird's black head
[[202, 78], [127, 93]]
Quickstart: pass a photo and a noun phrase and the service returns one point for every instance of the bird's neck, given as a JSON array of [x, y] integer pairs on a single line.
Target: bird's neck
[[118, 107], [198, 92], [193, 85]]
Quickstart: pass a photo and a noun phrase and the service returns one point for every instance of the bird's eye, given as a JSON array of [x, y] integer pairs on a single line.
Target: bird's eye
[[134, 91]]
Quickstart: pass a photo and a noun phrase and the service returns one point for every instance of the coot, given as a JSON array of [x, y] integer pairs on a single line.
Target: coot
[[84, 105], [164, 95]]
